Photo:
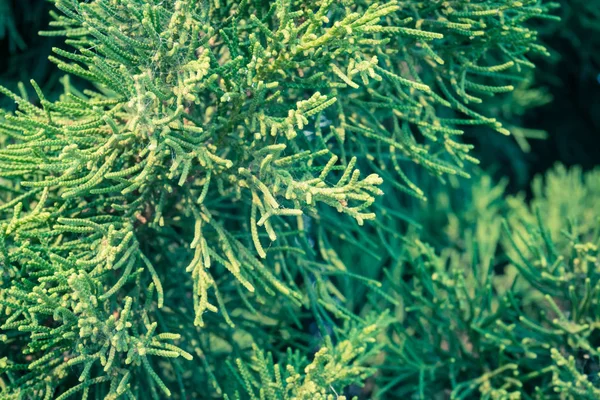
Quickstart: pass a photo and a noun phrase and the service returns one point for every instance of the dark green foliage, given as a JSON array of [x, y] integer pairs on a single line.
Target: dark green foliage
[[234, 199], [564, 104], [20, 45], [511, 311], [8, 29]]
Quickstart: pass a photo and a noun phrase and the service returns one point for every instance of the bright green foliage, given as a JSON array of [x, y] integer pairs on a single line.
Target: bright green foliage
[[318, 379], [220, 190], [566, 199]]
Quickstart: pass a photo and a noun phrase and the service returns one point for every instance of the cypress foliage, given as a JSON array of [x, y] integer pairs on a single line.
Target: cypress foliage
[[223, 208], [508, 308]]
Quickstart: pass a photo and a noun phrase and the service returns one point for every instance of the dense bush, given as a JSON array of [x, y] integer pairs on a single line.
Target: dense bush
[[281, 200]]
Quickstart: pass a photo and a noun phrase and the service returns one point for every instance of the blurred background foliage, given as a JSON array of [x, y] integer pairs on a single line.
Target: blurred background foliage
[[560, 102], [24, 54]]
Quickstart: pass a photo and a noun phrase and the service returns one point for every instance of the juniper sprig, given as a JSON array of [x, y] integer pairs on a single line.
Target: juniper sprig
[[221, 190]]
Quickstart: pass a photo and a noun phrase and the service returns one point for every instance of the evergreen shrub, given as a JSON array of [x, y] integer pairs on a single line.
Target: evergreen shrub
[[281, 200]]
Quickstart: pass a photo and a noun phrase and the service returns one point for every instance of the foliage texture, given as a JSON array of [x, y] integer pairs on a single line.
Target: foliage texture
[[220, 203]]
